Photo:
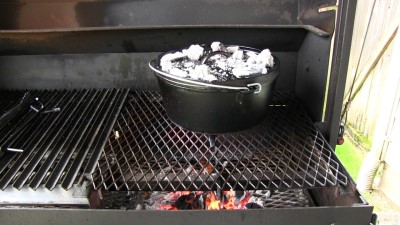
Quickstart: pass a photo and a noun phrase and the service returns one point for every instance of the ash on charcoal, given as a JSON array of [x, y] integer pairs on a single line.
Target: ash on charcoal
[[189, 202], [239, 196], [123, 200], [217, 62], [209, 200]]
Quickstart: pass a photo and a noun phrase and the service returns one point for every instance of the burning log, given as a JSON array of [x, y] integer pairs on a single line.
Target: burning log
[[208, 200], [188, 202]]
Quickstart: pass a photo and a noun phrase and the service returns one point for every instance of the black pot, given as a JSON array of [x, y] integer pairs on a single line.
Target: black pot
[[217, 107]]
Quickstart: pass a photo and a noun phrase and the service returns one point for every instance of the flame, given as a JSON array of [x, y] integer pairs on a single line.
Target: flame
[[173, 196], [230, 202], [211, 201]]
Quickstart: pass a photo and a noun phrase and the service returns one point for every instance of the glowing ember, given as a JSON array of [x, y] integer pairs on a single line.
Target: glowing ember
[[234, 202], [211, 202], [204, 200], [207, 200]]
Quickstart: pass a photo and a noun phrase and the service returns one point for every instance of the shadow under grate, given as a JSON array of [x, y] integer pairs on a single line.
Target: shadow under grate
[[147, 152]]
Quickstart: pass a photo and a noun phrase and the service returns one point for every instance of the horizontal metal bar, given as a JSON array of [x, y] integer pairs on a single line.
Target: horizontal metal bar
[[350, 215], [43, 197]]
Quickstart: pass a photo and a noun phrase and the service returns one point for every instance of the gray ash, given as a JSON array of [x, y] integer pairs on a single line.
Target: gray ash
[[217, 62], [206, 200]]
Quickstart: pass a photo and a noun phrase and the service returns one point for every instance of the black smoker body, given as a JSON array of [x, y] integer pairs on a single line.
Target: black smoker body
[[96, 46]]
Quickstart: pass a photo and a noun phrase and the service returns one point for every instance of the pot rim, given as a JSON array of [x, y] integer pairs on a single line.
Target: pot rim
[[199, 83]]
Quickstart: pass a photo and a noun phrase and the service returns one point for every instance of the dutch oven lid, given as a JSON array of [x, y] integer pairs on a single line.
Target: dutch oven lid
[[241, 84]]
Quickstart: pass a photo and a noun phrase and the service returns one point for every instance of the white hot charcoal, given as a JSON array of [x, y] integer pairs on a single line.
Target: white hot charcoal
[[251, 54], [172, 56], [234, 63], [223, 64], [238, 55], [265, 58], [264, 70], [232, 49], [252, 60], [166, 60], [194, 52], [216, 46], [166, 66], [178, 72], [201, 72], [210, 77], [247, 70], [240, 72]]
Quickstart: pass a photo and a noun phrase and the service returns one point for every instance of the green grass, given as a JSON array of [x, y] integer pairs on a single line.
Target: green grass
[[360, 138], [351, 157]]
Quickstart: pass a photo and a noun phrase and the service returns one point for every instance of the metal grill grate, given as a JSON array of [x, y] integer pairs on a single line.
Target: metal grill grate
[[287, 199], [56, 146], [148, 152]]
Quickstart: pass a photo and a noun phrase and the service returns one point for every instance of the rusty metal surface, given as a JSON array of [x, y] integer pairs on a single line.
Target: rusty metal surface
[[28, 14], [64, 14], [67, 14], [309, 14]]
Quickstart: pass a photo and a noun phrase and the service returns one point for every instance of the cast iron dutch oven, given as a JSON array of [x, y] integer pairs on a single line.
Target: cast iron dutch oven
[[217, 107]]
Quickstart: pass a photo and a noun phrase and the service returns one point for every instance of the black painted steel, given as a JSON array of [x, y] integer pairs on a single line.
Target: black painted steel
[[5, 117], [73, 14], [98, 134], [49, 140], [148, 152], [149, 39], [340, 62], [343, 215], [216, 109]]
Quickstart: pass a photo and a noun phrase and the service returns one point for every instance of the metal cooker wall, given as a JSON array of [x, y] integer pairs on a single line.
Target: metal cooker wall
[[300, 216], [47, 14], [106, 70]]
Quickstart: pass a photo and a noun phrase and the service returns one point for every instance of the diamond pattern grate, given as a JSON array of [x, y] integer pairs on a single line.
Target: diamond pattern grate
[[147, 152]]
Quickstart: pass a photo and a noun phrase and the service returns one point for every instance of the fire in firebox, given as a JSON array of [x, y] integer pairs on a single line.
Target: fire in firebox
[[208, 200], [205, 200]]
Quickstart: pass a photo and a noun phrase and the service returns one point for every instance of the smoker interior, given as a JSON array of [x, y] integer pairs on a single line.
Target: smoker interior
[[286, 151], [125, 144]]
